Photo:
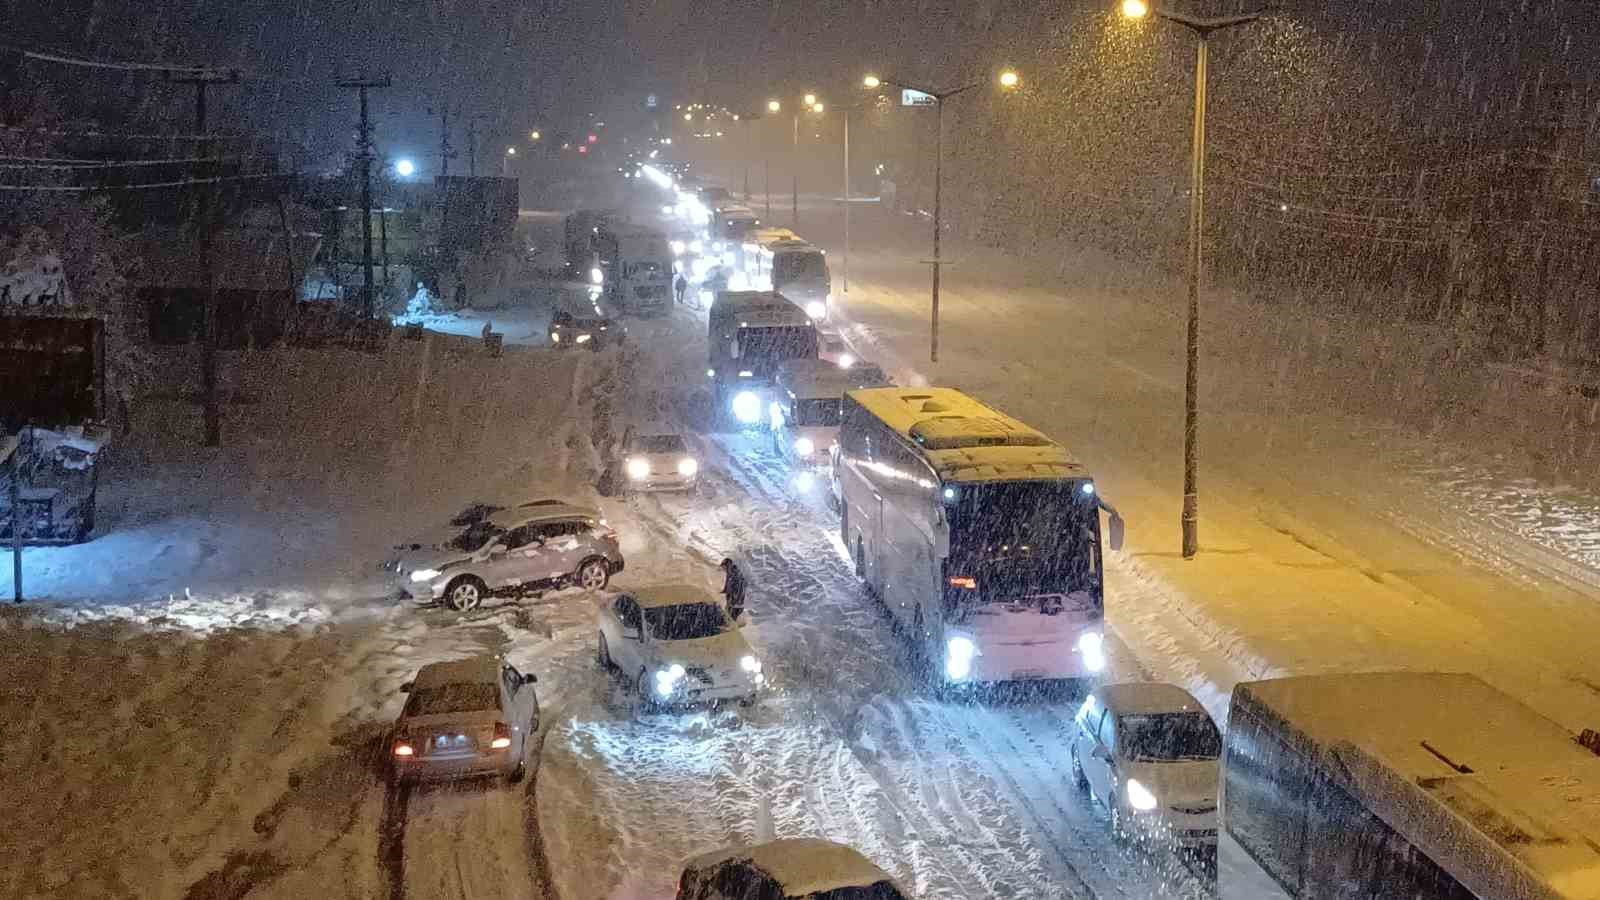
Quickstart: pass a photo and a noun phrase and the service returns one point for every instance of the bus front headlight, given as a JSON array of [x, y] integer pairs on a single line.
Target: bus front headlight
[[667, 679], [1139, 796], [688, 466], [816, 309], [638, 468], [747, 407], [958, 654], [804, 446], [1092, 646]]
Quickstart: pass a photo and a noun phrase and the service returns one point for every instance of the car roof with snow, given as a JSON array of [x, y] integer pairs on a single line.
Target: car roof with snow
[[815, 378], [803, 866], [965, 440], [671, 595], [515, 518], [1139, 697], [473, 670], [1457, 761]]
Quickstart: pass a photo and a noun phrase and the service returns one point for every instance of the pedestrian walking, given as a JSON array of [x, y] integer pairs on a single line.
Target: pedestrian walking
[[680, 286]]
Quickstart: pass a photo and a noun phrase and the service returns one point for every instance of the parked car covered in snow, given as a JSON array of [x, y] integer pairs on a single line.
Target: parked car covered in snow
[[533, 547], [788, 869], [1150, 753], [678, 646], [463, 719]]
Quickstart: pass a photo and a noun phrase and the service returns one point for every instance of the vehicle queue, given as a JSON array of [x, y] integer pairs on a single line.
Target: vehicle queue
[[983, 540]]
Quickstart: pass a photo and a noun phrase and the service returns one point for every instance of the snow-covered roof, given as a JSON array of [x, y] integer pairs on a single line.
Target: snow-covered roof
[[1146, 697], [670, 595], [807, 378], [802, 866], [763, 308], [474, 670], [966, 440], [1499, 795], [541, 512]]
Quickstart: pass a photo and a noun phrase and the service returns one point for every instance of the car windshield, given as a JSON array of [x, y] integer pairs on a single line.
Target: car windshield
[[686, 621], [822, 412], [476, 536], [452, 698], [1169, 737], [659, 443], [883, 890]]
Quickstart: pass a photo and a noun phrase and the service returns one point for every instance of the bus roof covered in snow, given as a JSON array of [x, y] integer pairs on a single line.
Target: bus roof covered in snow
[[966, 440], [1503, 798]]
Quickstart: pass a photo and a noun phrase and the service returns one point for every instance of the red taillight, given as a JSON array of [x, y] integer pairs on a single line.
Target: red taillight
[[964, 581], [502, 737], [401, 748]]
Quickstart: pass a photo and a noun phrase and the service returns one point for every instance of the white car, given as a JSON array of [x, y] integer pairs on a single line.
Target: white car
[[466, 718], [1149, 752], [658, 459], [791, 869], [677, 646]]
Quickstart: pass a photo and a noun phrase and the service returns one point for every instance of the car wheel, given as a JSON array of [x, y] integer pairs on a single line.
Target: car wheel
[[1078, 778], [520, 772], [465, 594], [593, 575], [641, 686], [603, 656]]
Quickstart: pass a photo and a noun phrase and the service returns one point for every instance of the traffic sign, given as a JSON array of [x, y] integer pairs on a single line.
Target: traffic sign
[[909, 97], [650, 101]]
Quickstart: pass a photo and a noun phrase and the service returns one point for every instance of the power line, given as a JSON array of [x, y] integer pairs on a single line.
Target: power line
[[55, 164], [64, 189]]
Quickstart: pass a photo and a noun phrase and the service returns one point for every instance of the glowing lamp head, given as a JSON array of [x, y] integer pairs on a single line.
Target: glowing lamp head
[[872, 81], [811, 99], [1009, 79], [511, 151], [1135, 9], [818, 108], [405, 168], [533, 135], [774, 106]]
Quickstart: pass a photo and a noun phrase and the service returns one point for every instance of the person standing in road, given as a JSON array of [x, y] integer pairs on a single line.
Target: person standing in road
[[680, 286], [733, 588]]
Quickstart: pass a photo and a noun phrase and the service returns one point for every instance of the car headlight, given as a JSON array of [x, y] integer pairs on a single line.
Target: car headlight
[[1092, 646], [747, 407], [1139, 796], [638, 469], [597, 276], [846, 360], [583, 338], [677, 248], [424, 574], [555, 337], [750, 664], [687, 467], [816, 309], [958, 654], [804, 446], [668, 678]]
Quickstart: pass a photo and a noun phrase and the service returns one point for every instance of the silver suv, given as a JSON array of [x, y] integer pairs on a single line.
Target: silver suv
[[535, 547]]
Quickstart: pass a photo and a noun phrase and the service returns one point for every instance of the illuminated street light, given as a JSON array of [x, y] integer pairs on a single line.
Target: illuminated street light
[[533, 135], [817, 107], [1203, 29], [1010, 79], [872, 81], [811, 99], [688, 117], [405, 168], [511, 151], [774, 106]]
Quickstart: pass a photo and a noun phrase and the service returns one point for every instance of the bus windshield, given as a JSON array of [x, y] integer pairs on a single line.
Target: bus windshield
[[788, 267], [764, 347], [1025, 538], [821, 412]]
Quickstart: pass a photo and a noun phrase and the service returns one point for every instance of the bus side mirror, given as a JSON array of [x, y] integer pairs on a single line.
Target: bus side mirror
[[941, 536], [1117, 527]]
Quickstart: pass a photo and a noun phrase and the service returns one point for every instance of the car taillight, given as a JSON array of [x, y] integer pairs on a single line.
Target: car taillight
[[502, 736], [401, 748], [964, 581]]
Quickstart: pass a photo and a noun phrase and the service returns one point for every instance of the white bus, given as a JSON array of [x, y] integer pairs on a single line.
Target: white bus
[[981, 535], [1403, 786]]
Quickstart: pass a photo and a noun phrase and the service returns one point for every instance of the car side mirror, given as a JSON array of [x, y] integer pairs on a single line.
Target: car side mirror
[[1117, 528], [406, 687]]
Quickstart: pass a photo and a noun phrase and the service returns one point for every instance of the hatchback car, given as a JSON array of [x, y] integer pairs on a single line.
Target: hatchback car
[[658, 459], [678, 646], [1149, 752], [465, 718], [593, 332], [787, 870], [536, 547]]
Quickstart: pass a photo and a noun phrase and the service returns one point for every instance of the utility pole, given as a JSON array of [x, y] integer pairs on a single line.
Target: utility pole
[[444, 140], [205, 222], [794, 172], [847, 200], [472, 148], [365, 155]]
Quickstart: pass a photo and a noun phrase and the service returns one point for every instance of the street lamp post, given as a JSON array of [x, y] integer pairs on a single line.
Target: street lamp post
[[773, 107], [1008, 80], [1203, 28], [813, 105]]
